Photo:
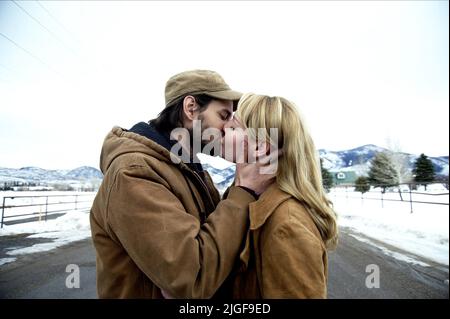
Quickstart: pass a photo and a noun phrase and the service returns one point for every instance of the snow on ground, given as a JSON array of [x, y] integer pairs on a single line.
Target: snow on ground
[[6, 260], [388, 252], [72, 226], [41, 201], [68, 228], [425, 232], [40, 193]]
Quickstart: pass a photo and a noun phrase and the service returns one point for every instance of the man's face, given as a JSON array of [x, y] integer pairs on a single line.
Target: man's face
[[216, 116]]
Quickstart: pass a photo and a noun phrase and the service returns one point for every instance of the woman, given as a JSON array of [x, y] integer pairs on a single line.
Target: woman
[[292, 224]]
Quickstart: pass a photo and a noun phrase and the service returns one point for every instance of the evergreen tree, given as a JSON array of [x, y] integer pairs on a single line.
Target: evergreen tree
[[362, 184], [382, 172], [327, 178], [423, 170]]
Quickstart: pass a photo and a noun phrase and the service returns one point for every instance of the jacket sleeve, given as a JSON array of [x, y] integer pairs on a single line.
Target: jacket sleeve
[[292, 264], [182, 257]]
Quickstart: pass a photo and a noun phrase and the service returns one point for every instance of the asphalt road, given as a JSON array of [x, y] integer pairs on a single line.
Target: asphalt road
[[397, 279], [43, 275]]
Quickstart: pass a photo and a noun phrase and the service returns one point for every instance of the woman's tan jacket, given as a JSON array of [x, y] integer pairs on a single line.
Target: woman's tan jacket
[[283, 255]]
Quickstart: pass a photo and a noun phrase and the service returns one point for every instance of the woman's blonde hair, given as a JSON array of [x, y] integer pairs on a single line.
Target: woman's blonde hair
[[299, 172]]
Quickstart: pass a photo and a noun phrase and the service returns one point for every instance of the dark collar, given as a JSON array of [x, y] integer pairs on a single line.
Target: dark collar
[[149, 131]]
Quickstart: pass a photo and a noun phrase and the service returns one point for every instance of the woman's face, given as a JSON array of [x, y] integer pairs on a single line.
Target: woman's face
[[235, 141]]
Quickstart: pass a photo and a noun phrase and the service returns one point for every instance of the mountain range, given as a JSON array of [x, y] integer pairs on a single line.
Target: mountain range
[[357, 160], [39, 175]]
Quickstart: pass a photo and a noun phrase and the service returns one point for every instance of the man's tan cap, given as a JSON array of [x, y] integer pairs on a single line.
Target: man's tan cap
[[200, 82]]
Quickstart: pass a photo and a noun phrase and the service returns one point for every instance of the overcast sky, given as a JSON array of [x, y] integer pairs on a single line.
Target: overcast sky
[[359, 72]]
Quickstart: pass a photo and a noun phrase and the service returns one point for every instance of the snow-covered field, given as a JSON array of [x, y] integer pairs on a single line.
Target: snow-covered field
[[72, 226], [63, 230], [41, 201], [424, 232]]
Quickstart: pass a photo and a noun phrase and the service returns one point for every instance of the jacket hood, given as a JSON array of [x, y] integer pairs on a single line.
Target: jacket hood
[[120, 141]]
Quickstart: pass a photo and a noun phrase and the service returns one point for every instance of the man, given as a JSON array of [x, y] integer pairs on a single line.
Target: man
[[157, 222]]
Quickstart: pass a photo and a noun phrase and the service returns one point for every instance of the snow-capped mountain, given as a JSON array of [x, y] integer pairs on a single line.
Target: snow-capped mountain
[[40, 175], [358, 160], [83, 173], [341, 159], [221, 171], [222, 178]]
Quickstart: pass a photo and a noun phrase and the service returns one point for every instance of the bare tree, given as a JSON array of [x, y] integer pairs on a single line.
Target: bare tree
[[400, 163], [382, 173], [443, 179]]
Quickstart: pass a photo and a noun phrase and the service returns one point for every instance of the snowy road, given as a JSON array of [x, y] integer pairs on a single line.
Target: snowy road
[[398, 278], [43, 275]]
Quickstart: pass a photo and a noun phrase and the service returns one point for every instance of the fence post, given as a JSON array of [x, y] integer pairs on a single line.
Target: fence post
[[346, 193], [3, 211], [46, 207], [382, 204], [76, 198], [410, 198]]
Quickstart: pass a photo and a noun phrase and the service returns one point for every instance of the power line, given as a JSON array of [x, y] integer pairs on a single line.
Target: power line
[[30, 54], [49, 31], [6, 68], [43, 26], [55, 19], [8, 71], [76, 54], [13, 72]]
